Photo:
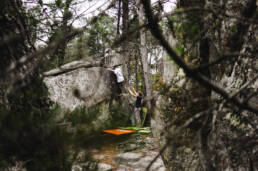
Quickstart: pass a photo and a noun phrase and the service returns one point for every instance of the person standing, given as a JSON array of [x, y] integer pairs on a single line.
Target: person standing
[[137, 109]]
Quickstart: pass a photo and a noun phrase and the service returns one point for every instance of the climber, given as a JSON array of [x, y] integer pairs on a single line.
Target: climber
[[120, 78], [136, 116]]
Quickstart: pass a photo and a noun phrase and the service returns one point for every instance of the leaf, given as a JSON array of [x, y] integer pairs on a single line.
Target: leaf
[[144, 109], [40, 2], [58, 3]]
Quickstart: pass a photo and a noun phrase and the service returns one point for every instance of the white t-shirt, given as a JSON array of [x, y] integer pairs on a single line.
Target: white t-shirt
[[119, 75]]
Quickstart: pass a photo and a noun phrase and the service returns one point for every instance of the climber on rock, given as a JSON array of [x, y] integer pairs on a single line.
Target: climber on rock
[[120, 78]]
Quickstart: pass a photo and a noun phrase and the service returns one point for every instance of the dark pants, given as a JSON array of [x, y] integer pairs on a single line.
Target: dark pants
[[120, 87]]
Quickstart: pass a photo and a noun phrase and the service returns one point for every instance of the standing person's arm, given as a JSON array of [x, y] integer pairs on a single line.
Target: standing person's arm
[[130, 91], [136, 93]]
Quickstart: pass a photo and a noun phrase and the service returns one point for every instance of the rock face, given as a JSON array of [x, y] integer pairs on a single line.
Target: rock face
[[168, 69], [225, 140], [240, 38], [82, 87], [89, 85], [177, 156], [139, 161]]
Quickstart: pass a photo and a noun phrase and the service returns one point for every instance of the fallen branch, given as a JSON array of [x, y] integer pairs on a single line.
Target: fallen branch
[[72, 66]]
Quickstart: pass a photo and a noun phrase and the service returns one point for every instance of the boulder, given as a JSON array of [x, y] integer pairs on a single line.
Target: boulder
[[88, 85], [139, 161], [127, 157], [81, 87]]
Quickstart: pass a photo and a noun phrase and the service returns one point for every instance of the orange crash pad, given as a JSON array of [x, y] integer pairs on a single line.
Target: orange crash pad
[[119, 131]]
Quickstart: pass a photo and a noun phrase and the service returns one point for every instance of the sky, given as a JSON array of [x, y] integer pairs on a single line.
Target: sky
[[88, 9]]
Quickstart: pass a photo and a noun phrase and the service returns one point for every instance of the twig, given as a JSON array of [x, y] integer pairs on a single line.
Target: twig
[[234, 94], [217, 61], [125, 36]]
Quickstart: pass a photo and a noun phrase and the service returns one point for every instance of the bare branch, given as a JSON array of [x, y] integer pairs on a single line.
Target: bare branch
[[72, 66], [125, 36], [222, 58], [234, 94]]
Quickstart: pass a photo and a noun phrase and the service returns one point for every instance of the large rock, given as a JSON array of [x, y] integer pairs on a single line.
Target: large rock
[[169, 68], [81, 87], [89, 166], [91, 86], [139, 161]]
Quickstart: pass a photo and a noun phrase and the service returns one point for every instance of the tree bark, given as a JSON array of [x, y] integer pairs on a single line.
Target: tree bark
[[144, 54], [60, 51], [72, 66], [125, 54], [118, 17], [136, 73], [205, 152]]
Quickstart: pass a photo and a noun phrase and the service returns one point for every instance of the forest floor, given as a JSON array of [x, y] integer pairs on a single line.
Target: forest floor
[[128, 152]]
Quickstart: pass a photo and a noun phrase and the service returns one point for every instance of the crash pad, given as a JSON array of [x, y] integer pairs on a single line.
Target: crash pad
[[119, 131]]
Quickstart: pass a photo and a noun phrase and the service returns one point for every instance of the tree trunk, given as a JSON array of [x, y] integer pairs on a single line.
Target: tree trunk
[[144, 54], [60, 51], [118, 17], [205, 152], [125, 54], [136, 73]]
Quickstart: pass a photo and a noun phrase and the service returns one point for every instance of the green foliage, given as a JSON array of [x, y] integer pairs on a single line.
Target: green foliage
[[59, 3], [235, 121], [29, 133], [179, 49], [117, 117], [94, 41], [189, 28], [83, 122], [82, 115], [40, 2], [100, 35], [138, 130], [233, 29], [159, 85]]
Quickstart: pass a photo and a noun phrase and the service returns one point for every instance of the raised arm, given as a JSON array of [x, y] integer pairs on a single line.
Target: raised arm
[[130, 91], [134, 92]]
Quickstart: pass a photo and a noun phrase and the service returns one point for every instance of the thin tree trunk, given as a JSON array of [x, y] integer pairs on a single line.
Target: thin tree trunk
[[144, 54], [125, 17], [118, 17], [64, 28], [205, 154], [136, 73]]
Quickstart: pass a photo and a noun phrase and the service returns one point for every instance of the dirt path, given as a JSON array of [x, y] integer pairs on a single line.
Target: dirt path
[[132, 153]]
